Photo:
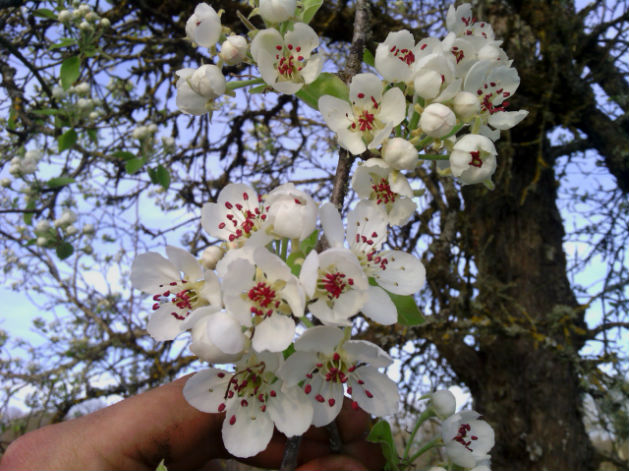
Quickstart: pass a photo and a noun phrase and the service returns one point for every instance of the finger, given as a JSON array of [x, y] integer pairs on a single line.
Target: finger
[[341, 462]]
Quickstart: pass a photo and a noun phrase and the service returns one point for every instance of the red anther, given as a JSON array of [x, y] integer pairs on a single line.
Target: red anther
[[336, 357], [272, 393], [360, 381], [261, 397], [244, 403], [355, 405], [361, 95], [228, 205], [320, 398], [263, 408], [221, 407], [368, 394], [278, 47], [331, 401], [232, 420], [245, 196], [307, 388], [349, 390], [220, 375], [156, 306]]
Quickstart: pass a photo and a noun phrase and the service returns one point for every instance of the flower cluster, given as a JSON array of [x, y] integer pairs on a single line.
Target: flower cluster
[[282, 317], [246, 304], [449, 94]]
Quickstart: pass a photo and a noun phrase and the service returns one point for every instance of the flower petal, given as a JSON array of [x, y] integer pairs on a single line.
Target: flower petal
[[246, 430], [332, 224], [150, 270], [404, 273], [205, 390], [274, 334], [378, 395], [323, 339], [379, 306], [291, 411], [185, 262]]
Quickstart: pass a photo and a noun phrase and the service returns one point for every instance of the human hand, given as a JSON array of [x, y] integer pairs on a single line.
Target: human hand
[[139, 432]]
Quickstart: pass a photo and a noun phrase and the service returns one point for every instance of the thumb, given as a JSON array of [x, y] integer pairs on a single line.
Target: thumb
[[336, 462]]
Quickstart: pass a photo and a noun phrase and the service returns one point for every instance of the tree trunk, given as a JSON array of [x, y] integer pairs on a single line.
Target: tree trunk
[[528, 386]]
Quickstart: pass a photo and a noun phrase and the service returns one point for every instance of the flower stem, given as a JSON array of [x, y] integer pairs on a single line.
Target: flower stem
[[433, 156], [428, 413], [235, 84], [431, 444]]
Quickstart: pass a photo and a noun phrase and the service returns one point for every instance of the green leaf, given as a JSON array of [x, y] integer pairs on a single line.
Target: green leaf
[[47, 112], [306, 245], [67, 140], [408, 313], [294, 262], [289, 351], [93, 135], [65, 42], [59, 182], [310, 8], [258, 88], [133, 165], [28, 217], [326, 84], [381, 433], [161, 466], [368, 58], [64, 250], [45, 13], [123, 155], [70, 71], [160, 176]]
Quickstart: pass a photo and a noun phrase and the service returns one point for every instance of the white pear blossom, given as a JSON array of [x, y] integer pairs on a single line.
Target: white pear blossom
[[291, 212], [473, 160], [237, 216], [437, 120], [254, 400], [335, 283], [286, 63], [208, 81], [327, 363], [400, 154], [493, 85], [234, 49], [395, 56], [393, 270], [375, 180], [179, 287], [368, 118], [67, 217], [263, 295], [276, 11], [204, 26], [467, 438], [462, 22], [434, 77]]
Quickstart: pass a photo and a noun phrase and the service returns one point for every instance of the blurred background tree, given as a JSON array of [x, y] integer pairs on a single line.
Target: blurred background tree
[[526, 301]]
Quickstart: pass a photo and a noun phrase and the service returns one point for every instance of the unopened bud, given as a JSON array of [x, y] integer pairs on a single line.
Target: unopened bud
[[211, 256], [443, 403], [466, 105], [437, 120], [233, 50], [400, 154]]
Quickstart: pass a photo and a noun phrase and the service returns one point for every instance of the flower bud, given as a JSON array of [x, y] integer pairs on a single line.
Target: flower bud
[[85, 26], [204, 26], [292, 213], [67, 217], [105, 23], [88, 229], [211, 256], [58, 92], [466, 105], [71, 230], [82, 88], [42, 226], [443, 403], [233, 50], [400, 154], [64, 16], [84, 104], [208, 81], [437, 120], [5, 182], [276, 11], [92, 16], [427, 84], [41, 241]]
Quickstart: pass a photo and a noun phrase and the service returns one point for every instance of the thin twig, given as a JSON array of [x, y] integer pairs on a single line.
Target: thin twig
[[291, 451]]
